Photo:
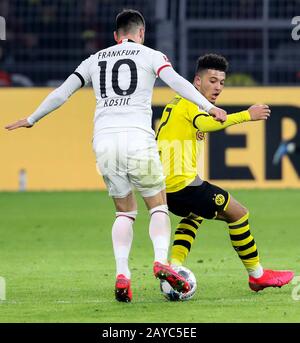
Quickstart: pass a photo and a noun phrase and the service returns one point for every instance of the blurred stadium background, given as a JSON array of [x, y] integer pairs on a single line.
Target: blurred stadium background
[[47, 39]]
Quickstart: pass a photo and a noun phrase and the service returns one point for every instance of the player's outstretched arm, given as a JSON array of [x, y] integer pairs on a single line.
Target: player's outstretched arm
[[188, 91], [256, 112], [53, 101], [18, 124], [259, 112]]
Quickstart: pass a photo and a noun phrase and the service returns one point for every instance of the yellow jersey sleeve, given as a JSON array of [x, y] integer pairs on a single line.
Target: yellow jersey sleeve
[[205, 123], [202, 121]]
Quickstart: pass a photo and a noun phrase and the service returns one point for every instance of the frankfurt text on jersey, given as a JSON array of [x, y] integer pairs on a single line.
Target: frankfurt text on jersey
[[117, 53]]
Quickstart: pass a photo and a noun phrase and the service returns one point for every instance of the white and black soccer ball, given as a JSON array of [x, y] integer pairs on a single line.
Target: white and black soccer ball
[[171, 294]]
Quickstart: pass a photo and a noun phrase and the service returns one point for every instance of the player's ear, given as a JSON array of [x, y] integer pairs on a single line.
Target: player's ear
[[197, 80], [142, 34], [116, 36]]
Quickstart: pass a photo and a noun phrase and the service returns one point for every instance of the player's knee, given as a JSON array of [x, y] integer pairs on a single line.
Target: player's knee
[[243, 211], [126, 204], [158, 199], [234, 212], [125, 208]]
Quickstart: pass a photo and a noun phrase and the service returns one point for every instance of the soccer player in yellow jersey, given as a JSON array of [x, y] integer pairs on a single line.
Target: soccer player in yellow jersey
[[181, 129]]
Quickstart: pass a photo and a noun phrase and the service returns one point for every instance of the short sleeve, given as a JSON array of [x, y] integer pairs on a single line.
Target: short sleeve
[[82, 71], [160, 61]]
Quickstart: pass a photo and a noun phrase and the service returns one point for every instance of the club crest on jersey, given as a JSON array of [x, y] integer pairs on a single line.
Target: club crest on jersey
[[219, 199], [200, 136]]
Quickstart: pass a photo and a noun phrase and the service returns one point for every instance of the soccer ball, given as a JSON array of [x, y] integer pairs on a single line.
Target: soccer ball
[[171, 294]]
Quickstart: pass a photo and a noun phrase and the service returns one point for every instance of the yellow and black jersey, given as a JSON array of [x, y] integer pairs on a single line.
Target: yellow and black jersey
[[180, 138]]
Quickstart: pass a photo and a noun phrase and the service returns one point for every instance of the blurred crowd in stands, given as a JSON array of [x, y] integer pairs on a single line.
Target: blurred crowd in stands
[[47, 39], [44, 35]]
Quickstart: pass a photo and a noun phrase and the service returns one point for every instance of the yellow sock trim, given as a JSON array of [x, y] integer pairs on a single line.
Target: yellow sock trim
[[251, 263], [240, 221], [176, 262], [186, 227], [178, 254], [184, 237], [248, 251], [242, 242], [235, 232], [180, 251]]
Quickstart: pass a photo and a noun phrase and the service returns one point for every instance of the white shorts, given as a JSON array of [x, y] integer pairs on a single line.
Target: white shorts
[[129, 158]]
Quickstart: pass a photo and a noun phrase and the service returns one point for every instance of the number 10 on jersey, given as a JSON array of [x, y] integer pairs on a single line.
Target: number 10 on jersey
[[115, 78]]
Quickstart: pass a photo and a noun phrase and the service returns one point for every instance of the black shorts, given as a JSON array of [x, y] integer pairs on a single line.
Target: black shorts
[[204, 200]]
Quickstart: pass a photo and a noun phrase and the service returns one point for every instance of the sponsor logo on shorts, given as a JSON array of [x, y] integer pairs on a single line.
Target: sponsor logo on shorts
[[219, 199]]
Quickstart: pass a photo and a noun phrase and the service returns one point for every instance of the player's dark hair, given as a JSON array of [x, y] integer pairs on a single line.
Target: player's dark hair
[[211, 61], [128, 19]]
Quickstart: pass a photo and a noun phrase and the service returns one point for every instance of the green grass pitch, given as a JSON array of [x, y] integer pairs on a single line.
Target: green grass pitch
[[56, 257]]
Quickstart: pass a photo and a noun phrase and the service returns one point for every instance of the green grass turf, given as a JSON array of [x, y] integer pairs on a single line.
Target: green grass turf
[[56, 256]]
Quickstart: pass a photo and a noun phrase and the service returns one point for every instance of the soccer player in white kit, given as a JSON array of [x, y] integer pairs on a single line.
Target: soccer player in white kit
[[123, 78]]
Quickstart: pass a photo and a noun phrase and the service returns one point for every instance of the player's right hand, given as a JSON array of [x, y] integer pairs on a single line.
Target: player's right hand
[[18, 124], [218, 114], [259, 112]]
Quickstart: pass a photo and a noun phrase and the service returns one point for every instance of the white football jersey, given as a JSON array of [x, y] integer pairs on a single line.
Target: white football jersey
[[123, 78]]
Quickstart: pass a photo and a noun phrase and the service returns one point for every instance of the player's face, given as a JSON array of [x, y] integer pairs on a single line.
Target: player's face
[[210, 83]]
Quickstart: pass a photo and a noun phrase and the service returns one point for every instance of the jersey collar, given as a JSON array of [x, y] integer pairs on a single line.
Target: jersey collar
[[126, 40]]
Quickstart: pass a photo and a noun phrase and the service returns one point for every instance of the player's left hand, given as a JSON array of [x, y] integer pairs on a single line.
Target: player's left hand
[[18, 124], [259, 112]]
